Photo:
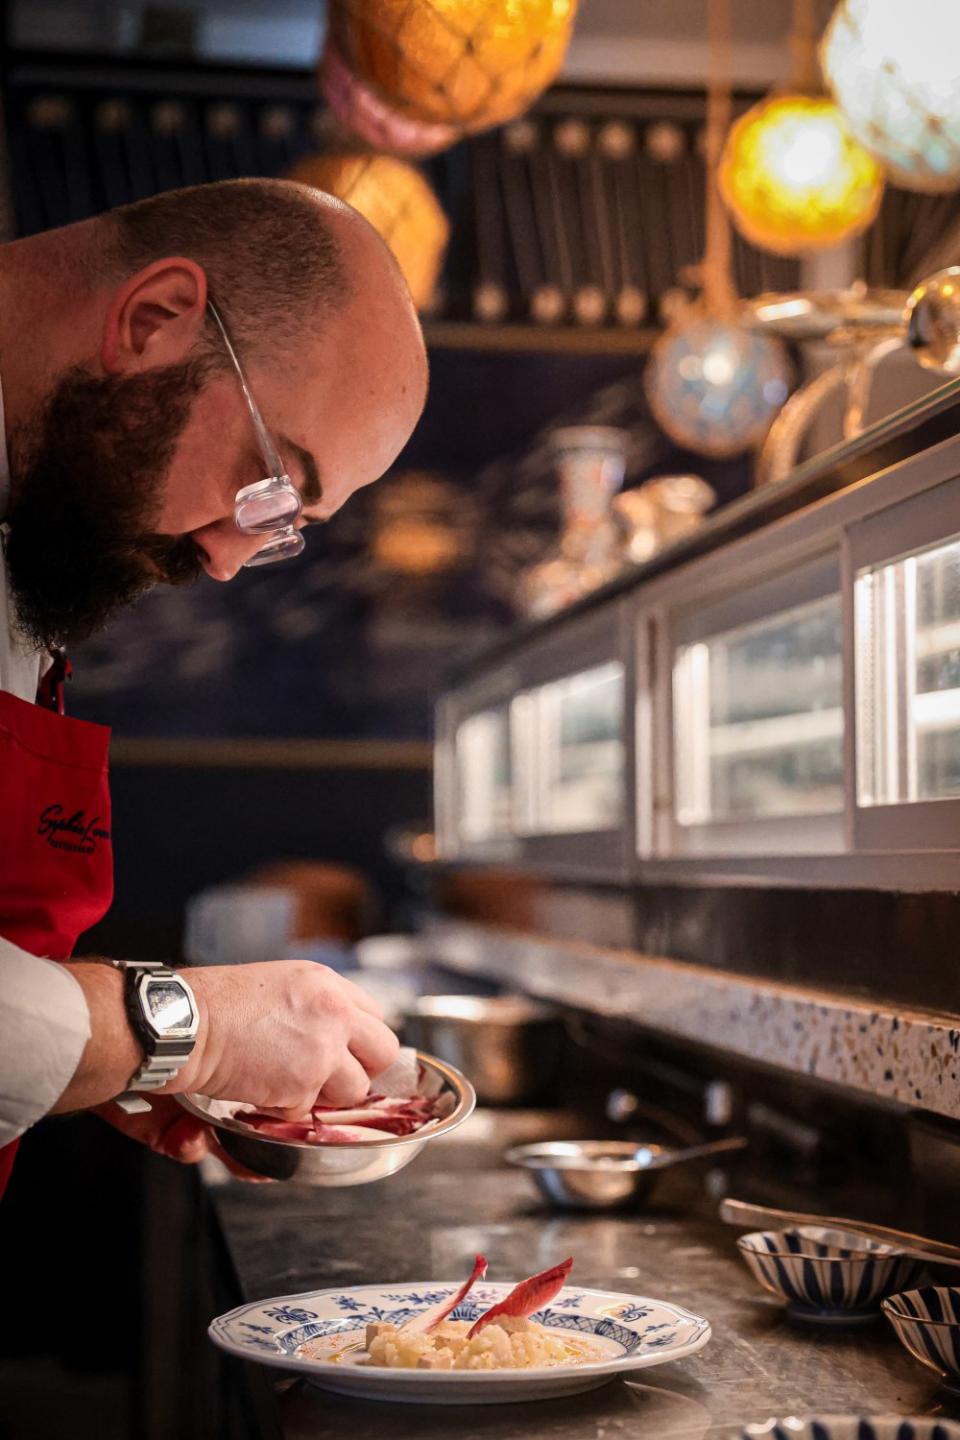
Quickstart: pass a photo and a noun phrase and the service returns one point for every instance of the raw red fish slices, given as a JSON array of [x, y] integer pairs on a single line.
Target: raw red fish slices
[[405, 1099]]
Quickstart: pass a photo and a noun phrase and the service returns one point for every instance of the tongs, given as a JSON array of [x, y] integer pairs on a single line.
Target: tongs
[[746, 1216]]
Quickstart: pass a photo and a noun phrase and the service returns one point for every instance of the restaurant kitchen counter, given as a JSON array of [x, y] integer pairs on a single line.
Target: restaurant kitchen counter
[[457, 1199]]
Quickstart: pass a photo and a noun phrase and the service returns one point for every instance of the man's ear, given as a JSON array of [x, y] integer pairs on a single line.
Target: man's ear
[[155, 317]]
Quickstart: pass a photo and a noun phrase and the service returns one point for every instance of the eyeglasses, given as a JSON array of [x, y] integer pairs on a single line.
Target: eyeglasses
[[269, 507]]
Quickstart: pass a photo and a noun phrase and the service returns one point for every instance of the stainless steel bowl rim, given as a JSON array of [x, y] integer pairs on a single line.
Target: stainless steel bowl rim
[[507, 1010], [543, 1156], [466, 1104]]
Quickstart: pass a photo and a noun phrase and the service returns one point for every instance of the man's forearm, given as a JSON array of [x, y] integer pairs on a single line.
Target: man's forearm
[[111, 1055]]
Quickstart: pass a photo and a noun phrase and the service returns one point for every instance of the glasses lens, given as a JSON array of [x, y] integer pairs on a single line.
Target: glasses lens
[[283, 547], [267, 505]]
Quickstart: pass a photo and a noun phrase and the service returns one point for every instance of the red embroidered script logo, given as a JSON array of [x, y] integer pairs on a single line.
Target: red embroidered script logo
[[71, 832]]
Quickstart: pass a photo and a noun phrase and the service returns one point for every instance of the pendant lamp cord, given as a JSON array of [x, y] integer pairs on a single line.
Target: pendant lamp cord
[[718, 289], [805, 67]]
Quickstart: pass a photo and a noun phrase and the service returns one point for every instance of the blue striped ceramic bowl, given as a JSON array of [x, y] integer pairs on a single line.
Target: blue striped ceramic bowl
[[927, 1323], [827, 1276], [852, 1427]]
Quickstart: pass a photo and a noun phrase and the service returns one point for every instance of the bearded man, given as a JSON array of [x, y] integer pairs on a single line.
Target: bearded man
[[185, 383]]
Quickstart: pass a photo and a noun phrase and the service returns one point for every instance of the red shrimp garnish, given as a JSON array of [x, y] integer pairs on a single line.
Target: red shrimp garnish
[[527, 1297], [428, 1320]]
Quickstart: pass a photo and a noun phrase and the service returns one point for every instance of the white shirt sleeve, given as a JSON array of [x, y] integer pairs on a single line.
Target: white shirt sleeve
[[44, 1026]]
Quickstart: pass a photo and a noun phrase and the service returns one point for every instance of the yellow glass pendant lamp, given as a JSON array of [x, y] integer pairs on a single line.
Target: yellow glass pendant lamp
[[792, 175]]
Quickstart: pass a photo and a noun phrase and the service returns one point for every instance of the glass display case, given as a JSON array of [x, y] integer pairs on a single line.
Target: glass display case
[[576, 745], [759, 718], [781, 707], [906, 602], [484, 772], [908, 678], [757, 704], [532, 760]]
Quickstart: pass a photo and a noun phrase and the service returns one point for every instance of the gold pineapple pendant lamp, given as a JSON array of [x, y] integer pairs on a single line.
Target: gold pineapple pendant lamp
[[414, 76]]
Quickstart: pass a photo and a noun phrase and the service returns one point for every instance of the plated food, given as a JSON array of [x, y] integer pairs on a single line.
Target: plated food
[[503, 1338], [470, 1343]]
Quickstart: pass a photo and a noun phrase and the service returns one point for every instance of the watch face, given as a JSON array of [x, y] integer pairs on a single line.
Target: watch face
[[168, 1006]]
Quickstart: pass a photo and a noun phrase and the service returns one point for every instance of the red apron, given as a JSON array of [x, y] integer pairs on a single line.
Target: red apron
[[56, 860]]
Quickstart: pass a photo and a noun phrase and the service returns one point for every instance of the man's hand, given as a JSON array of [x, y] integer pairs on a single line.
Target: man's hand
[[279, 1035], [283, 1034], [169, 1130]]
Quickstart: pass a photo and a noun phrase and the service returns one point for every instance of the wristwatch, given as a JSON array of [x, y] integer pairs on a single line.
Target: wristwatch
[[163, 1016]]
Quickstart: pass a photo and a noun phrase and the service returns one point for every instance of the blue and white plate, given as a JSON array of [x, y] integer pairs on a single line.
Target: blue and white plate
[[616, 1333]]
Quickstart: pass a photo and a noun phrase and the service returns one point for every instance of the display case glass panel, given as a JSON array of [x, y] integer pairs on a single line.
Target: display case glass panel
[[908, 678], [758, 718], [484, 770], [577, 751]]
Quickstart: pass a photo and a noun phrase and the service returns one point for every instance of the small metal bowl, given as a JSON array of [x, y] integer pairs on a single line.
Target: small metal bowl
[[589, 1174], [330, 1165]]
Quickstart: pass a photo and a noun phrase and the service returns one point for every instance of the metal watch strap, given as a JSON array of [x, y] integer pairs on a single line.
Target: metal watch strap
[[163, 1058]]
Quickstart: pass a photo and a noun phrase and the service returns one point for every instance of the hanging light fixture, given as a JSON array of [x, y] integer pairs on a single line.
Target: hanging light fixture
[[893, 68], [357, 110], [792, 174], [713, 385], [414, 75], [398, 202]]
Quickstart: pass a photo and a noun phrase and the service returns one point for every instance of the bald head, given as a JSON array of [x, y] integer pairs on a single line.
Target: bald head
[[276, 254]]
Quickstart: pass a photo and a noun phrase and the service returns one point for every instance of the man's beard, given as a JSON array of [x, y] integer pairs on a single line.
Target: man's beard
[[86, 495]]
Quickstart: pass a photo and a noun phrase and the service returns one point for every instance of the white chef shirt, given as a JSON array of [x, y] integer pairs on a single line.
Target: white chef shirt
[[44, 1020]]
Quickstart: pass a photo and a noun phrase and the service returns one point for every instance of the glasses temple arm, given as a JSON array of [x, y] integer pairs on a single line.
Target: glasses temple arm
[[267, 447]]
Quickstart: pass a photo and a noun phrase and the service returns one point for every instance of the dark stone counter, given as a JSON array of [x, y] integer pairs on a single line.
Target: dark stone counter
[[457, 1199]]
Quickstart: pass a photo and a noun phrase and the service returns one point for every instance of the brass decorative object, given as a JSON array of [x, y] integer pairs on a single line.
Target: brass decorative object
[[864, 326]]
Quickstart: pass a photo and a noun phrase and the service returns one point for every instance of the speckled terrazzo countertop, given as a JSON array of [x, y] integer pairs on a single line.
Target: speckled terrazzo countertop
[[891, 1053], [457, 1199]]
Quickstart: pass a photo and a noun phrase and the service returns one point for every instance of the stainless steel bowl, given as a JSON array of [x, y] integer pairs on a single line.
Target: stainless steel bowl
[[330, 1165], [507, 1044], [590, 1174]]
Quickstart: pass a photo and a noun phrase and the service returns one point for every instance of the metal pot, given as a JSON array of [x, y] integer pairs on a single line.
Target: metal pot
[[509, 1046]]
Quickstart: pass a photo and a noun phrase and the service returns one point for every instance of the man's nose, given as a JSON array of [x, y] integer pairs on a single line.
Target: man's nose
[[224, 549]]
